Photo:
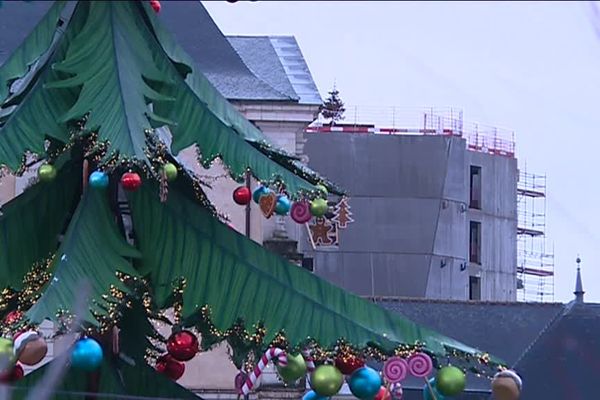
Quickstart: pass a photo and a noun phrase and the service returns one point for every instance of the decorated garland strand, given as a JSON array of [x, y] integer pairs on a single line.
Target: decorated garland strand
[[273, 352]]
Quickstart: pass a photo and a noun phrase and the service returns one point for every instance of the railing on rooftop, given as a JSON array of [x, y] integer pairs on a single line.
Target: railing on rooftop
[[420, 121]]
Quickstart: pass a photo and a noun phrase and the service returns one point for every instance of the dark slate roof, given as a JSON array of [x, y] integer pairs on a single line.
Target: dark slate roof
[[278, 61], [17, 19], [564, 362], [192, 27], [198, 34], [260, 57], [505, 330], [484, 325]]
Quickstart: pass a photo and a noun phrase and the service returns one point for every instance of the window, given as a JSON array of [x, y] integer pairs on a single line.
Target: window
[[474, 288], [475, 188], [475, 242]]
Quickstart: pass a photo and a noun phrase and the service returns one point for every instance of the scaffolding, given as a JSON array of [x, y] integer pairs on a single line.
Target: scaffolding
[[535, 262]]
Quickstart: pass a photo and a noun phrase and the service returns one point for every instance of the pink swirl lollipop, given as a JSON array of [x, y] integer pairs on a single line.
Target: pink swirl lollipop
[[300, 212], [395, 370], [420, 365]]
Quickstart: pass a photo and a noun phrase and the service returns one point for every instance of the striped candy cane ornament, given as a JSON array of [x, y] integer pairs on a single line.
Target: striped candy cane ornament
[[273, 352]]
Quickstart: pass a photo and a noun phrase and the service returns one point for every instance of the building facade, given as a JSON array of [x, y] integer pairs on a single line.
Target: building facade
[[435, 210]]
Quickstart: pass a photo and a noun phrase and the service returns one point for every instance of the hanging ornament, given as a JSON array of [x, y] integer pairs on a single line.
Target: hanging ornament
[[383, 394], [312, 395], [294, 370], [86, 354], [430, 387], [347, 364], [396, 391], [155, 4], [318, 207], [267, 204], [98, 180], [182, 345], [169, 170], [30, 347], [13, 374], [395, 369], [13, 317], [420, 365], [131, 181], [327, 380], [259, 192], [507, 385], [450, 381], [46, 173], [300, 212], [254, 376], [342, 214], [170, 367], [365, 383], [242, 196], [322, 190], [282, 207]]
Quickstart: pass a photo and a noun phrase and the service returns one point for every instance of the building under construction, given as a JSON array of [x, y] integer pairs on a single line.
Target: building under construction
[[535, 267], [441, 211]]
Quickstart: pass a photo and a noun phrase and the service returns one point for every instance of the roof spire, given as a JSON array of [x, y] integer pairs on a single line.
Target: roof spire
[[578, 283]]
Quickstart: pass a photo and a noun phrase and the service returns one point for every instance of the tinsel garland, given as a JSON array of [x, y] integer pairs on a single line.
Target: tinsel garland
[[245, 345]]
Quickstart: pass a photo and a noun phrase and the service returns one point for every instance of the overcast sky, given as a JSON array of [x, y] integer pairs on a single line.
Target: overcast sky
[[533, 67]]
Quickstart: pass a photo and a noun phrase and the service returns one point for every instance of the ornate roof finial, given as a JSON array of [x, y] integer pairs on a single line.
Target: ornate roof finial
[[578, 283]]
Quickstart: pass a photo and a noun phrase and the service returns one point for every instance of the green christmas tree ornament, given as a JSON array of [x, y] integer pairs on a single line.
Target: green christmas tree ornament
[[318, 207], [46, 173], [295, 369], [327, 380], [170, 171], [450, 381]]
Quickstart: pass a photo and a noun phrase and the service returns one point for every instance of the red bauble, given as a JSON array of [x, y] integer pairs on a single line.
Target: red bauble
[[242, 195], [155, 4], [383, 394], [170, 367], [12, 317], [348, 364], [131, 181], [183, 345], [12, 375]]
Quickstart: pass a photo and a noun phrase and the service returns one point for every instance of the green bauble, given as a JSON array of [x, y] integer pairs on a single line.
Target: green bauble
[[318, 207], [7, 355], [321, 188], [327, 380], [450, 381], [46, 173], [295, 369], [170, 171]]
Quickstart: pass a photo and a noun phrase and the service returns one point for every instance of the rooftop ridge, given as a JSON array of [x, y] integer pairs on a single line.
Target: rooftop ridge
[[453, 301]]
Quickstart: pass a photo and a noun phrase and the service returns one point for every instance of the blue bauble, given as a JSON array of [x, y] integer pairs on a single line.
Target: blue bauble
[[99, 180], [283, 205], [312, 395], [427, 393], [86, 355], [259, 192], [365, 383]]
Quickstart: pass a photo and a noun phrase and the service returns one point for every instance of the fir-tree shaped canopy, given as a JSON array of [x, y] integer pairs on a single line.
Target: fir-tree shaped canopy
[[95, 80]]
